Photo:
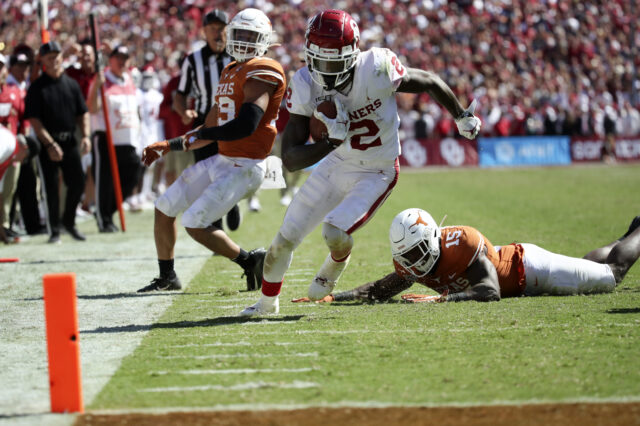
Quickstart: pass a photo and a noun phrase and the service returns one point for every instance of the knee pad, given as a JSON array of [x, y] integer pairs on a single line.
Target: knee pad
[[336, 239]]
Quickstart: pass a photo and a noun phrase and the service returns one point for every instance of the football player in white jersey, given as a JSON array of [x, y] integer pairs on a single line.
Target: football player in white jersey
[[360, 151]]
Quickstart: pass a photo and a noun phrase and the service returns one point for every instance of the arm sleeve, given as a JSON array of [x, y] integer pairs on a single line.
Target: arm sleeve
[[240, 127], [383, 289], [33, 103]]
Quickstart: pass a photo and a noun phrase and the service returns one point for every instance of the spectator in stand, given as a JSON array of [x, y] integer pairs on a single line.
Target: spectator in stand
[[149, 100], [21, 63], [175, 161], [525, 52], [12, 150], [120, 92], [11, 117], [55, 106], [84, 73]]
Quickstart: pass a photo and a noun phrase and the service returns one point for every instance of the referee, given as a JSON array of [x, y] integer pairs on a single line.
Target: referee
[[199, 77]]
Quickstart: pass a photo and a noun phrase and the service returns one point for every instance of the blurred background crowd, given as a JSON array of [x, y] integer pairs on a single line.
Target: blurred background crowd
[[535, 66]]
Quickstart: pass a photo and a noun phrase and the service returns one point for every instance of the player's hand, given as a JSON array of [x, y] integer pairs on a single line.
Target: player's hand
[[326, 299], [468, 124], [337, 128], [425, 298], [154, 151]]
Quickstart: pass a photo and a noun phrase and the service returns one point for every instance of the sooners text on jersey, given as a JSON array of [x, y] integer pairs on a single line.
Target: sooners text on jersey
[[371, 104], [230, 97]]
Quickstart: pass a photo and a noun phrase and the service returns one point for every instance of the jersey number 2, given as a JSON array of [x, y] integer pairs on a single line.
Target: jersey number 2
[[368, 129]]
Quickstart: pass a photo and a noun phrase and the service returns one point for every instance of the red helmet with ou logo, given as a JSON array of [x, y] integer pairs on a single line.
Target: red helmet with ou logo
[[331, 47]]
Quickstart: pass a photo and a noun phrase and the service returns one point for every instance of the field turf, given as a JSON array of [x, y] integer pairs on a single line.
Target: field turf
[[200, 355]]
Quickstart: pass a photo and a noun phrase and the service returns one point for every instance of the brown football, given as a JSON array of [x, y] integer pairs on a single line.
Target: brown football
[[317, 127]]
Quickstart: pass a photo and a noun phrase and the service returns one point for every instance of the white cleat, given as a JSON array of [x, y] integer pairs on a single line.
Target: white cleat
[[319, 288], [265, 306]]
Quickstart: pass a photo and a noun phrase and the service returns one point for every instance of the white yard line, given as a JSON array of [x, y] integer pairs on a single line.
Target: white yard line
[[240, 386], [239, 355], [109, 269], [257, 406], [233, 371]]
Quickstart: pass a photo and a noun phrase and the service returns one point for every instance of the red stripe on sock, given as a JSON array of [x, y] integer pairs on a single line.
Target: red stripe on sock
[[340, 260], [271, 289]]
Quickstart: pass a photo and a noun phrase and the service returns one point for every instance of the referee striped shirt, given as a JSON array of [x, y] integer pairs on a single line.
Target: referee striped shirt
[[200, 75]]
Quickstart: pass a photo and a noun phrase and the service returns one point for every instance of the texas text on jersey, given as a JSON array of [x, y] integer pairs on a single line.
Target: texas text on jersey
[[229, 99], [460, 247]]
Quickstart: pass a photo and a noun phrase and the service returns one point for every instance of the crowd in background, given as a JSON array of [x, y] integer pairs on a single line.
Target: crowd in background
[[536, 67]]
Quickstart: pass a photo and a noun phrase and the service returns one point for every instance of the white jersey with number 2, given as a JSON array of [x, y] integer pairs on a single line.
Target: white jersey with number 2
[[371, 104]]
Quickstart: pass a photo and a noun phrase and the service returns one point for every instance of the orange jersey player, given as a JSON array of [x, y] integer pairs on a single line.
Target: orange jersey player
[[248, 96], [461, 264], [230, 97]]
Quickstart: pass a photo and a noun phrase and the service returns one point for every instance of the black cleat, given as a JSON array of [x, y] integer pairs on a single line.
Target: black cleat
[[54, 239], [234, 218], [635, 223], [75, 234], [254, 271], [170, 283]]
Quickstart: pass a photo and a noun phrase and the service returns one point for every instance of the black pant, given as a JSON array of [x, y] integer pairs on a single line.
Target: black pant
[[129, 169], [73, 178], [28, 197], [206, 151]]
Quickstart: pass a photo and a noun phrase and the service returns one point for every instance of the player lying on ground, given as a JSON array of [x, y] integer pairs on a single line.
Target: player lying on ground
[[461, 264]]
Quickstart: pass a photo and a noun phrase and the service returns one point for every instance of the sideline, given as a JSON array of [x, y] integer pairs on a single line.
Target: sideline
[[109, 269]]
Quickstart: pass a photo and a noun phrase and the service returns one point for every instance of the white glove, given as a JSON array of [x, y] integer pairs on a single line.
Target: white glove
[[468, 124], [337, 128]]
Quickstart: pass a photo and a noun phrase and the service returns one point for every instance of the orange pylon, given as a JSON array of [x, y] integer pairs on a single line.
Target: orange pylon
[[63, 342]]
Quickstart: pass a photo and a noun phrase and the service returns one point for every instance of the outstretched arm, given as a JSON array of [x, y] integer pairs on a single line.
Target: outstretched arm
[[421, 81], [485, 278]]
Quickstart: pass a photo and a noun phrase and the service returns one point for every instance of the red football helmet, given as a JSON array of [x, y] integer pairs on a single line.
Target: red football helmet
[[331, 47]]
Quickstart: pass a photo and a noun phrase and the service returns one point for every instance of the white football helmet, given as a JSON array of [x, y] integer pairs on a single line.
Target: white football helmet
[[248, 35], [415, 241], [331, 47]]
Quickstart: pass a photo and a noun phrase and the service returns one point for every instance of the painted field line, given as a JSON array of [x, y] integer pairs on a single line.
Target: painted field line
[[234, 371], [368, 404], [243, 343], [243, 386], [418, 330], [223, 356]]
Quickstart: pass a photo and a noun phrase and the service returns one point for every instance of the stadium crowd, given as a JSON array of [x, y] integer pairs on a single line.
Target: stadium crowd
[[536, 67]]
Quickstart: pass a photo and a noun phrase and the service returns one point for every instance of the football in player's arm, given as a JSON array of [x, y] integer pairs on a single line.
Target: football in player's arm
[[460, 264], [360, 147]]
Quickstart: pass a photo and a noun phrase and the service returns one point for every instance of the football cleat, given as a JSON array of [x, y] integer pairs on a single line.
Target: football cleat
[[635, 223], [319, 288], [254, 271], [265, 306], [172, 282]]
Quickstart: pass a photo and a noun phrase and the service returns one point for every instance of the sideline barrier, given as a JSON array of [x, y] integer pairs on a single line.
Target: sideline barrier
[[513, 151]]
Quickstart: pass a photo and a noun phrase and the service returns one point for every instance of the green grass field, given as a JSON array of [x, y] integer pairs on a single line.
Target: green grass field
[[579, 348]]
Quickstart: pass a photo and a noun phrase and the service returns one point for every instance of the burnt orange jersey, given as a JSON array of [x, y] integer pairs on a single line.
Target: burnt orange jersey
[[230, 97], [459, 248]]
